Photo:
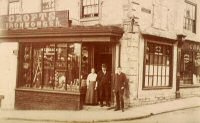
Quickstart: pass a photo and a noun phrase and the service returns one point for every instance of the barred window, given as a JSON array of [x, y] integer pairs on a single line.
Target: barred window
[[14, 6], [190, 64], [48, 5], [158, 60], [52, 66], [90, 8], [190, 17]]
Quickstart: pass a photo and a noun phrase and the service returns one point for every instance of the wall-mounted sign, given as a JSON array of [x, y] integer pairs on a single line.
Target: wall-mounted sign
[[195, 47], [35, 20]]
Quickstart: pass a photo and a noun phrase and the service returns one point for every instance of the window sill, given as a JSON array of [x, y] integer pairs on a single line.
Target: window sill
[[89, 19], [155, 88], [48, 91], [190, 86]]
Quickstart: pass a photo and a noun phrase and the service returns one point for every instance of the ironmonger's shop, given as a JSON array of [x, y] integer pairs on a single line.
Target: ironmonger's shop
[[55, 58]]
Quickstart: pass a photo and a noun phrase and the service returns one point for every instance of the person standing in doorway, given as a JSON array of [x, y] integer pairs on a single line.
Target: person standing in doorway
[[104, 81], [118, 89], [91, 94]]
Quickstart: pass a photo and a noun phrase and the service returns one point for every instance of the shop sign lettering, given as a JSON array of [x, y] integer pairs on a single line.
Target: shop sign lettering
[[191, 47], [35, 20], [195, 47]]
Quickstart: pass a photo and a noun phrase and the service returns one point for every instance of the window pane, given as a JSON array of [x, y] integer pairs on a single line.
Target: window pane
[[85, 10], [90, 8], [190, 17], [167, 81], [158, 56], [84, 2], [52, 66], [196, 74], [96, 1], [74, 51], [61, 66], [85, 62], [88, 2], [159, 81], [14, 7], [48, 5], [146, 81], [187, 57], [190, 64], [49, 60], [26, 66], [92, 2], [37, 67]]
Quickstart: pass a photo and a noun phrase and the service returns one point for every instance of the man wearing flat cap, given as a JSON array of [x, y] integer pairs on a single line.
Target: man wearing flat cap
[[104, 82]]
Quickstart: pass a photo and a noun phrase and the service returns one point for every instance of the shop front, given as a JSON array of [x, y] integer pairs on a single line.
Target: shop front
[[54, 58], [190, 64], [53, 64]]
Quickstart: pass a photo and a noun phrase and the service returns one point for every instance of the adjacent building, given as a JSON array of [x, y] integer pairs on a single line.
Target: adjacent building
[[49, 46]]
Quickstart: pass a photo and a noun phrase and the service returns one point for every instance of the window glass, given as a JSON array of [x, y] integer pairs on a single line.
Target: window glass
[[73, 60], [14, 7], [37, 67], [61, 66], [48, 5], [53, 66], [26, 66], [190, 17], [157, 65], [49, 65], [190, 67], [90, 8]]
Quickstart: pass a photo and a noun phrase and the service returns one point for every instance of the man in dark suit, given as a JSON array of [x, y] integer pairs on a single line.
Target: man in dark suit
[[118, 88], [104, 82]]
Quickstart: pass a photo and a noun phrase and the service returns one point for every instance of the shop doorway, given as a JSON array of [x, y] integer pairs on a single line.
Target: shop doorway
[[103, 55], [98, 54]]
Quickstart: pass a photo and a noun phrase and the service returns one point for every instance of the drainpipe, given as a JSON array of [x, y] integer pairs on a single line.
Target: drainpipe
[[180, 41]]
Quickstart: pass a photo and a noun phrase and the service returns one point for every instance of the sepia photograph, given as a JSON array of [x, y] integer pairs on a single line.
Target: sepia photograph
[[99, 61]]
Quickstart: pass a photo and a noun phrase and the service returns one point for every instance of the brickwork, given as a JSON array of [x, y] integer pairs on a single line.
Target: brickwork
[[38, 100]]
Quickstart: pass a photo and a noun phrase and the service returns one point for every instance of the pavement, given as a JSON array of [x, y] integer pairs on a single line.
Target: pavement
[[100, 114]]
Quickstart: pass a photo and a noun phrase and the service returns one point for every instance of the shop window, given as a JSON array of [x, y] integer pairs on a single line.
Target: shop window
[[158, 60], [53, 66], [48, 5], [89, 8], [190, 64], [14, 6], [190, 17]]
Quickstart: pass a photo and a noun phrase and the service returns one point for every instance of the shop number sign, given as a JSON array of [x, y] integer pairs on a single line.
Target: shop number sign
[[35, 20]]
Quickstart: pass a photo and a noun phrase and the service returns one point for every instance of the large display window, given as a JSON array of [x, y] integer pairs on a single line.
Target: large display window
[[52, 66], [157, 65], [190, 64]]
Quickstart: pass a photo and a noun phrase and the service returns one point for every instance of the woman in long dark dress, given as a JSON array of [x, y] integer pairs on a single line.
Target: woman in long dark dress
[[91, 94]]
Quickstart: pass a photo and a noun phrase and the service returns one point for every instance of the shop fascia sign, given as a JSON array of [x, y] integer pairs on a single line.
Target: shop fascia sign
[[35, 20], [191, 46]]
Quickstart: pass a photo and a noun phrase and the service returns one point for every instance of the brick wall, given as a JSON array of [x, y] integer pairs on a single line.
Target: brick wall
[[38, 100]]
